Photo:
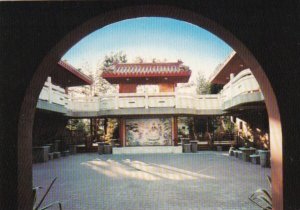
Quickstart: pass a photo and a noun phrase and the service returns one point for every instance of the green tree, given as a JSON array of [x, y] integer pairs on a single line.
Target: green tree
[[77, 125], [101, 85], [113, 58], [215, 88], [203, 86], [111, 129]]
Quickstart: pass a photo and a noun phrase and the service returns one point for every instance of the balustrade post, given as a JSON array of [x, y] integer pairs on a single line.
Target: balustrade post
[[146, 101], [204, 102], [117, 101], [175, 98], [50, 90], [230, 87]]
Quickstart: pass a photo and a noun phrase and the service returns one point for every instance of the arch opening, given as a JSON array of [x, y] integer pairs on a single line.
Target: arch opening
[[27, 112]]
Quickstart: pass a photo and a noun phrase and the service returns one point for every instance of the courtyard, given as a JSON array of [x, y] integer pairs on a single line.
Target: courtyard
[[206, 180]]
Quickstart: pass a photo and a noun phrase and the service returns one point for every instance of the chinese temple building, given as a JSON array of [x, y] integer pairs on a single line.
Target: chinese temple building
[[150, 129]]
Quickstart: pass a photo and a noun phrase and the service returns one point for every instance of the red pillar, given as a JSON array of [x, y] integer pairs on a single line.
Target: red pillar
[[105, 125], [175, 131], [96, 127], [122, 132], [91, 127]]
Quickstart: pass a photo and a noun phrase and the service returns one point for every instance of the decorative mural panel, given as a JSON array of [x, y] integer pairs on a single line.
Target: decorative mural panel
[[149, 132]]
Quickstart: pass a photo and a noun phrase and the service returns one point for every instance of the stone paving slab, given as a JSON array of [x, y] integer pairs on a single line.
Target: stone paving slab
[[205, 180]]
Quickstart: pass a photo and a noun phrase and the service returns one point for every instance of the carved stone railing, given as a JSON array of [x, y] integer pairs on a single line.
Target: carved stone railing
[[242, 84], [54, 94]]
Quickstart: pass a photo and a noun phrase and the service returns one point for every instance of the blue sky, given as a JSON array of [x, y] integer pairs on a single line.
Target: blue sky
[[152, 37]]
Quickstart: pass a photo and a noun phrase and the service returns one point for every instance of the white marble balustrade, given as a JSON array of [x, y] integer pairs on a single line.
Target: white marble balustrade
[[243, 83]]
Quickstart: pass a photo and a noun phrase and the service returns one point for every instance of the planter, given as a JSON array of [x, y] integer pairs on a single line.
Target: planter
[[101, 148], [187, 148], [194, 146]]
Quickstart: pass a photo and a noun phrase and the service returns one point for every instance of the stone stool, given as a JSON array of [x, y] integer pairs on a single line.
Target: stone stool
[[194, 146], [235, 152], [245, 157], [107, 149], [264, 158], [101, 148], [231, 151], [50, 155]]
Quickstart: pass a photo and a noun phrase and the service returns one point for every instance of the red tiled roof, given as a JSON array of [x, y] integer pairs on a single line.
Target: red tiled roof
[[233, 64], [65, 75], [147, 69], [86, 79], [147, 73]]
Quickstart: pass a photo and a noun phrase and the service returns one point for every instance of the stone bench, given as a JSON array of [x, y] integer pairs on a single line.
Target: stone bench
[[51, 147], [247, 151], [72, 149], [235, 153], [222, 145], [240, 154], [255, 158], [80, 148], [219, 148], [40, 154], [56, 155], [65, 153]]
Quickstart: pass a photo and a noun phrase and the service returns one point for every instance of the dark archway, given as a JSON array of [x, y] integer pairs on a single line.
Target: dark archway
[[27, 110], [121, 14]]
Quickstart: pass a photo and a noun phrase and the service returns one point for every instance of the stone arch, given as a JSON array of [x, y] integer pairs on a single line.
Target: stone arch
[[32, 92]]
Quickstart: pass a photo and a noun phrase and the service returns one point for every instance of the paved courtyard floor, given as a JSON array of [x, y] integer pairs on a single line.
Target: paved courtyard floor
[[206, 180]]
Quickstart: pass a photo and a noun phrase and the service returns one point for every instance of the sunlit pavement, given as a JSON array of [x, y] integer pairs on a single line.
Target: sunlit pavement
[[205, 180]]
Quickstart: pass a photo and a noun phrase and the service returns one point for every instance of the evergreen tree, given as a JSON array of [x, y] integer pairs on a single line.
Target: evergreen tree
[[101, 86], [203, 86]]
